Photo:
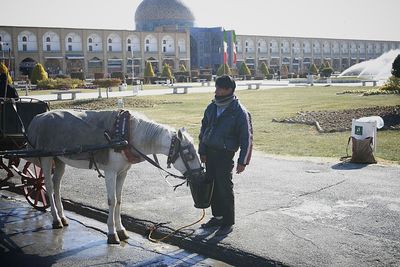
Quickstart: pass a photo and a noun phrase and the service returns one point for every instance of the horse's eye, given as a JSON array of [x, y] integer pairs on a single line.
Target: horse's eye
[[187, 155]]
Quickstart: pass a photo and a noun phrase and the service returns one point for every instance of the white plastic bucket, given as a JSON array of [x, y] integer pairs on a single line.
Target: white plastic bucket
[[365, 127]]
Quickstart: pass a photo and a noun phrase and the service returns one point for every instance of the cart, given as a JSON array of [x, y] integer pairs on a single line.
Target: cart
[[15, 117]]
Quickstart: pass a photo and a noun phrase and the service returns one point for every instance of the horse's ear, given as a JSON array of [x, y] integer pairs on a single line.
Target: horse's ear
[[180, 135]]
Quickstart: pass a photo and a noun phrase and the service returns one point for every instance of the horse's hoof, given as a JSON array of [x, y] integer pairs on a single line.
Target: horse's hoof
[[64, 221], [113, 239], [123, 235], [57, 225]]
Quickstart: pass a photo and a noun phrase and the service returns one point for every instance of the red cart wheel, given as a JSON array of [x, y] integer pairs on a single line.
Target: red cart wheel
[[34, 189]]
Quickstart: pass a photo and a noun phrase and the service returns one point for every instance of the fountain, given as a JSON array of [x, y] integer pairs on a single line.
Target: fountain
[[376, 69]]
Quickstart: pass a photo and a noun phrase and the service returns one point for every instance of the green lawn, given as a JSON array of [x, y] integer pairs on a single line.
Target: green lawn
[[281, 138]]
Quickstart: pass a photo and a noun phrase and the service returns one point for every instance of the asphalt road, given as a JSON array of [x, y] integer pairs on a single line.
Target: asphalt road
[[312, 212], [27, 239]]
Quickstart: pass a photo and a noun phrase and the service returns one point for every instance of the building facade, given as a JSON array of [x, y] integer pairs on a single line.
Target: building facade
[[68, 50], [165, 35], [299, 53]]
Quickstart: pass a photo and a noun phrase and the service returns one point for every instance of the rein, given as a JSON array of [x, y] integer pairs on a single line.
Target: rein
[[157, 165]]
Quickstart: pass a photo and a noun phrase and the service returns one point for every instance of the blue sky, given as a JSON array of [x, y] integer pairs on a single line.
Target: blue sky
[[350, 19]]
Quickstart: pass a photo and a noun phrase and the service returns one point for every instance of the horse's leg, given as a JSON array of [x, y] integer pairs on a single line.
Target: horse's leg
[[46, 164], [122, 234], [111, 177], [58, 174]]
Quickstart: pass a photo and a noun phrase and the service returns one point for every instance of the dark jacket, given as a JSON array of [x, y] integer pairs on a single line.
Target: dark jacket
[[231, 130], [11, 92]]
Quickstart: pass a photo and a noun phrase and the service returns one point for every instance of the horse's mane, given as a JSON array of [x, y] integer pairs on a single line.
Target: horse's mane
[[151, 128]]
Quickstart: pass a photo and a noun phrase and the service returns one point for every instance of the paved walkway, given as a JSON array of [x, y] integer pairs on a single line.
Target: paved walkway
[[26, 239], [299, 212], [196, 88]]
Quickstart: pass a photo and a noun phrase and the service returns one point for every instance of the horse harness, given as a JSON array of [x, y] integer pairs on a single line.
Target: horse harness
[[121, 130]]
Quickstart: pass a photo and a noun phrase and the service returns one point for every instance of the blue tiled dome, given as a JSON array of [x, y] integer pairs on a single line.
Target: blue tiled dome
[[153, 13]]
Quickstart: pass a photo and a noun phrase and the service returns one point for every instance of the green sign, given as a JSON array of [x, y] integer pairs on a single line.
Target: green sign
[[358, 130]]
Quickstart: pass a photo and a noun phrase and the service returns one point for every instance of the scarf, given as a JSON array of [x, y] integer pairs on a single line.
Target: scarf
[[224, 101]]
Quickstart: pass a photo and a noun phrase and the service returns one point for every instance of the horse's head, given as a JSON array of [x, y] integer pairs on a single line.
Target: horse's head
[[183, 156]]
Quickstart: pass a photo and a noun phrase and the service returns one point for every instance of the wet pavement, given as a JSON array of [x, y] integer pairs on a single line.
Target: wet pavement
[[289, 211], [27, 239]]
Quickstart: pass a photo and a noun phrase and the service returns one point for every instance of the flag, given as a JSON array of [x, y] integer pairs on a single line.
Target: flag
[[225, 49], [234, 47]]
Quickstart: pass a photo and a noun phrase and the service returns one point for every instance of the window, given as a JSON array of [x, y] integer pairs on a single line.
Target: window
[[48, 48], [90, 40], [70, 48], [147, 49], [164, 49], [24, 39], [164, 41], [129, 48], [110, 48], [69, 40], [1, 46], [24, 47], [246, 49], [48, 39], [0, 38], [90, 48], [129, 41], [110, 41], [147, 41]]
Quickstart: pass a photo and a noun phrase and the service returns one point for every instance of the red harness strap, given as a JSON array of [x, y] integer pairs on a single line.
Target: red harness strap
[[121, 130]]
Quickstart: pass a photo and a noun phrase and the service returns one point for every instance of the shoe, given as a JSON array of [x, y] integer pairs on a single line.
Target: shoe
[[224, 230], [213, 222]]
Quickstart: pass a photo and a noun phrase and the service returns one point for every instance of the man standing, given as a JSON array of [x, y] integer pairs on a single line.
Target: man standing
[[226, 127]]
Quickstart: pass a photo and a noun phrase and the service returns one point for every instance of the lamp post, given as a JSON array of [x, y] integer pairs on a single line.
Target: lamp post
[[2, 49], [133, 69]]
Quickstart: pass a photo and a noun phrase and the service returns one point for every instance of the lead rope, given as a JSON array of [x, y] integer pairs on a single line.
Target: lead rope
[[157, 240]]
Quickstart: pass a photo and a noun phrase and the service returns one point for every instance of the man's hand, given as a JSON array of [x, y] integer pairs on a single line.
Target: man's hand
[[203, 158], [240, 168]]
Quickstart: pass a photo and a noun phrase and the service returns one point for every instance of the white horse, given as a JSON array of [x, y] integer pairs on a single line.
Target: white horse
[[145, 135]]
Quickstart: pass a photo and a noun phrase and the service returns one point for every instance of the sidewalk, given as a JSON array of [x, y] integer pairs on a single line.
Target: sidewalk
[[196, 88], [26, 239], [288, 211]]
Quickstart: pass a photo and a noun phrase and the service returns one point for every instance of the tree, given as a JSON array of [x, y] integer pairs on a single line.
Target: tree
[[149, 72], [224, 69], [396, 67], [106, 83], [166, 72], [244, 69], [328, 64], [182, 67], [264, 69], [313, 69], [284, 71], [38, 74], [4, 69], [327, 72]]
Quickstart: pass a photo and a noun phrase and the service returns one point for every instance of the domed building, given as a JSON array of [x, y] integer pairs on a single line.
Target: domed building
[[151, 14]]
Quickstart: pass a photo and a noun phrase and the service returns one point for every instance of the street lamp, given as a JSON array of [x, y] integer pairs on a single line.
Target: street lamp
[[133, 70], [2, 49]]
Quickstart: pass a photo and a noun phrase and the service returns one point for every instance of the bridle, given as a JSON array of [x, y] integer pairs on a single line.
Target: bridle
[[175, 150], [187, 154]]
